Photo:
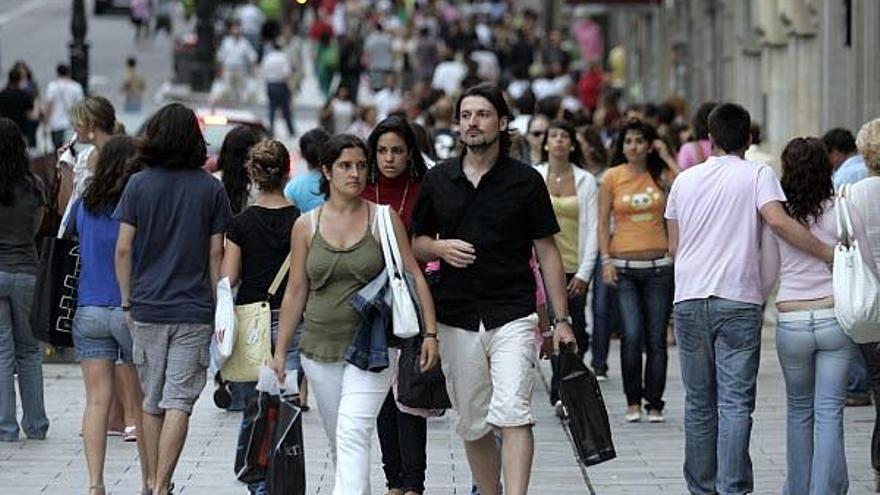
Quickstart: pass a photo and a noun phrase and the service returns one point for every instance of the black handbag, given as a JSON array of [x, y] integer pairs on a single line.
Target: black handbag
[[587, 417], [255, 438], [55, 292], [416, 389], [287, 464]]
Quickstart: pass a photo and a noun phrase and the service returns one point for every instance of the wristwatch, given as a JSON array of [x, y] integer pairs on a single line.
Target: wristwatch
[[565, 319]]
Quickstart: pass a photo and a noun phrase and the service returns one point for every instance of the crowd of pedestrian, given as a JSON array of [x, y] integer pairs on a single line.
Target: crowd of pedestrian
[[526, 205]]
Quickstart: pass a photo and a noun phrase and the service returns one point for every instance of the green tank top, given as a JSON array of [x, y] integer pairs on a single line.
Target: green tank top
[[335, 275]]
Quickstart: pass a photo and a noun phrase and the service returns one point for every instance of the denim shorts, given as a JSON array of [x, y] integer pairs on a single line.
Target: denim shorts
[[101, 333]]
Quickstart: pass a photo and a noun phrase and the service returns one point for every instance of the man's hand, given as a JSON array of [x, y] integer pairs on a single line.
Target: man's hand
[[609, 274], [457, 253], [429, 355], [563, 334], [576, 287]]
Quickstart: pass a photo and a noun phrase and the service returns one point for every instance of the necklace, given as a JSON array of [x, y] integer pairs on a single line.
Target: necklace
[[402, 201]]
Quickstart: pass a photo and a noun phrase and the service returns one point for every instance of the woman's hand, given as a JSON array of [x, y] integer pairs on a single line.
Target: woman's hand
[[279, 364], [609, 274], [430, 354], [576, 287], [661, 148]]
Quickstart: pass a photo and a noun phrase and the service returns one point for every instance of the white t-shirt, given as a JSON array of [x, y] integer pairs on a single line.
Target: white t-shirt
[[864, 196], [343, 114], [62, 94], [386, 101], [448, 77], [276, 67], [236, 53]]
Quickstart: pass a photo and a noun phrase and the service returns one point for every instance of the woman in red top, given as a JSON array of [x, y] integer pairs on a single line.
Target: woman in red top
[[396, 168]]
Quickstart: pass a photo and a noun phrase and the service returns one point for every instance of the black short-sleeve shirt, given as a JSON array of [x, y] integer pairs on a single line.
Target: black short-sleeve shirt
[[263, 235], [501, 217]]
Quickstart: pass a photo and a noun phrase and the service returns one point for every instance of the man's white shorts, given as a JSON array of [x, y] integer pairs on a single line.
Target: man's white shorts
[[490, 375]]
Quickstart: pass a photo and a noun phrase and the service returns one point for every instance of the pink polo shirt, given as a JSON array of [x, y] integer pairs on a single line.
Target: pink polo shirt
[[717, 208]]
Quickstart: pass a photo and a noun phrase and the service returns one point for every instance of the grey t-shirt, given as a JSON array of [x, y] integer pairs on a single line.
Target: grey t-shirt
[[175, 213], [17, 251]]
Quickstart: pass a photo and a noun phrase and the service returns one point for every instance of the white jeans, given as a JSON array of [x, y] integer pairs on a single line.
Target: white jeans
[[349, 400]]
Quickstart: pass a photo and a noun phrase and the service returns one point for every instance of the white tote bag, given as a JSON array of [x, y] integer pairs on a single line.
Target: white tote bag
[[856, 288], [405, 318]]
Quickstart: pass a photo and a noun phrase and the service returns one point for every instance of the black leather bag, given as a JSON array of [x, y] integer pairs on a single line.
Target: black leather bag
[[55, 292], [287, 464], [416, 389], [587, 417]]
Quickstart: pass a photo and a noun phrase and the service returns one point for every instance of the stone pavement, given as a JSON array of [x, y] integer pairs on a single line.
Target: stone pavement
[[649, 455]]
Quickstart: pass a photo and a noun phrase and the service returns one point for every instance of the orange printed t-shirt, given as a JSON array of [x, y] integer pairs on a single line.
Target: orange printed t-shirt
[[637, 207]]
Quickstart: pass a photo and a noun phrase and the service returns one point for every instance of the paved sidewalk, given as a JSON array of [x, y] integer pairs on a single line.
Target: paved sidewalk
[[649, 455]]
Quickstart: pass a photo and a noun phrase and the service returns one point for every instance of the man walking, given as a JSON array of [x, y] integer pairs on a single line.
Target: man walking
[[849, 166], [714, 216], [174, 216], [481, 214], [61, 94]]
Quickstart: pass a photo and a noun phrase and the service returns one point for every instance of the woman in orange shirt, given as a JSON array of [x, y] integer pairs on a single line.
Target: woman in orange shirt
[[635, 260]]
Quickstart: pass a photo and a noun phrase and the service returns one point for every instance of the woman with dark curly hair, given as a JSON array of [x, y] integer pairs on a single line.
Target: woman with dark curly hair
[[100, 332], [174, 215], [22, 202], [635, 260], [394, 175], [813, 350], [231, 165], [257, 244]]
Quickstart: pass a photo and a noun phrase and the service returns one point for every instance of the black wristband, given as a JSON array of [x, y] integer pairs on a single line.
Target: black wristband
[[126, 308]]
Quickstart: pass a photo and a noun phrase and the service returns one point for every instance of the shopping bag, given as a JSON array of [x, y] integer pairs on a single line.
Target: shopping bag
[[55, 292], [585, 412], [417, 389], [255, 438], [224, 323], [287, 466], [253, 343]]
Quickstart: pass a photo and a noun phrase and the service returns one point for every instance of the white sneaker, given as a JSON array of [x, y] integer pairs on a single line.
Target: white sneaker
[[633, 414], [601, 376], [655, 416]]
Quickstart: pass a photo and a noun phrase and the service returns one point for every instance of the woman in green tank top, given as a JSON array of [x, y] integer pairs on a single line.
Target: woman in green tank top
[[335, 253]]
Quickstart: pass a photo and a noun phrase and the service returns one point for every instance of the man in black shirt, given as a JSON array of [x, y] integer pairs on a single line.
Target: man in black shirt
[[481, 214], [15, 103]]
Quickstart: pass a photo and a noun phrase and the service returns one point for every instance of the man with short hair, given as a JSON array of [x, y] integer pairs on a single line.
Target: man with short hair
[[237, 58], [849, 166], [715, 213], [482, 214], [61, 95], [15, 103]]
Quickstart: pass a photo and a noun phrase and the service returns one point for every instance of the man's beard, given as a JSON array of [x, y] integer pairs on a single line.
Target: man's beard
[[480, 142]]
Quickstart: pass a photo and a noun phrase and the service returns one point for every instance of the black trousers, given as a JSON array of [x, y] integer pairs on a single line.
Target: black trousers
[[871, 352], [403, 438]]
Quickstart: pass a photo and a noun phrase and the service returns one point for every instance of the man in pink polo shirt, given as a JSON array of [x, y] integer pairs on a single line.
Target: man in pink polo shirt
[[715, 213]]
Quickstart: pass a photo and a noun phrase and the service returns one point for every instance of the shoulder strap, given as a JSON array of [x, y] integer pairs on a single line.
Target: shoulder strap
[[314, 220], [285, 267], [374, 211]]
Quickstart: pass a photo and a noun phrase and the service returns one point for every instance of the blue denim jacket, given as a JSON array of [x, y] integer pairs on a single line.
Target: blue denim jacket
[[369, 350]]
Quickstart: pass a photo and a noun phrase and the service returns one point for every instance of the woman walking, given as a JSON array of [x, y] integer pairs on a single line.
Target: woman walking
[[573, 194], [635, 260], [395, 172], [335, 253], [257, 243], [813, 350], [101, 335], [22, 203], [231, 166]]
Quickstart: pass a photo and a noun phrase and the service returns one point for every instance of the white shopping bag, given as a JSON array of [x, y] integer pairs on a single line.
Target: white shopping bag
[[224, 323]]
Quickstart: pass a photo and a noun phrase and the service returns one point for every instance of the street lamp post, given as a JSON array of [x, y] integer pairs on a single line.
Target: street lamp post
[[79, 47], [202, 74]]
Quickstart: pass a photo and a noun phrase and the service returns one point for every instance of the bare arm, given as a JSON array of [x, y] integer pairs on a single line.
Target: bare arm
[[609, 273], [231, 266], [672, 235], [794, 233], [295, 294], [456, 252], [216, 259], [124, 244], [430, 351], [554, 281]]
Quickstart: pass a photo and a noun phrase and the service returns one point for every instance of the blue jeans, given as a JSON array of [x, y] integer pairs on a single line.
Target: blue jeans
[[20, 353], [101, 333], [645, 297], [606, 318], [279, 99], [719, 346], [815, 358]]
